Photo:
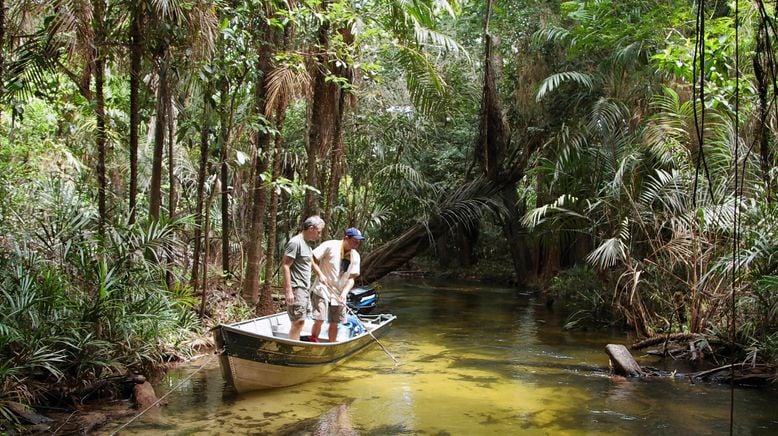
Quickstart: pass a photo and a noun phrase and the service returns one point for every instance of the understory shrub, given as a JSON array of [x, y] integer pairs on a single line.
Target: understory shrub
[[581, 287], [77, 306]]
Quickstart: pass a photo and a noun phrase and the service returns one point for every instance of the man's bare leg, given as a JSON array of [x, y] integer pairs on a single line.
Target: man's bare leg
[[297, 327], [333, 332], [316, 329]]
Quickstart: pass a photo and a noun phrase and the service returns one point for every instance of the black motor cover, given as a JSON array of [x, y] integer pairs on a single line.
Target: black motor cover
[[362, 299]]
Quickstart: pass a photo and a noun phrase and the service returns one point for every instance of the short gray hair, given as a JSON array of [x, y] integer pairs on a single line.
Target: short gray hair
[[313, 221]]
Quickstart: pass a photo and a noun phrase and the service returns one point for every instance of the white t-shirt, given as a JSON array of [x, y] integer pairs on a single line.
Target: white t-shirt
[[337, 265]]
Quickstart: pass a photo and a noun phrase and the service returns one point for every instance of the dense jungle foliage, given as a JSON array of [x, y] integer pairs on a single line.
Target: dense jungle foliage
[[155, 156]]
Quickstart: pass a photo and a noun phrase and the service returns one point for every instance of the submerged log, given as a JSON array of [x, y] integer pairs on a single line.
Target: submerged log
[[26, 413], [145, 396], [335, 421], [622, 362]]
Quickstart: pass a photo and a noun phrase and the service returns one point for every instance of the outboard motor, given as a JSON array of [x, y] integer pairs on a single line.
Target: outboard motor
[[362, 299]]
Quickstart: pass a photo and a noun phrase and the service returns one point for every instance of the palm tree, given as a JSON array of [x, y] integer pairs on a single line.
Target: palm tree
[[175, 27], [2, 54], [136, 58], [268, 38], [78, 30]]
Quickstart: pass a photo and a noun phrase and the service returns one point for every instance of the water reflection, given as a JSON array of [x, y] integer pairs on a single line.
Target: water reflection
[[474, 360]]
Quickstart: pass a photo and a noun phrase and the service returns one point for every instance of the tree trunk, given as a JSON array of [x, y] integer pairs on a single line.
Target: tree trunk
[[206, 249], [514, 234], [2, 54], [259, 197], [266, 295], [333, 185], [266, 306], [418, 238], [201, 175], [337, 154], [323, 118], [101, 138], [257, 229], [155, 194], [398, 251], [762, 131], [171, 164], [136, 54], [224, 139], [171, 158]]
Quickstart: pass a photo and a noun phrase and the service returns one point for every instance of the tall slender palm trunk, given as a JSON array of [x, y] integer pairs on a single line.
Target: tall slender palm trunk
[[2, 52], [101, 137], [136, 55], [265, 295], [224, 174], [263, 142], [323, 116], [155, 190], [201, 176]]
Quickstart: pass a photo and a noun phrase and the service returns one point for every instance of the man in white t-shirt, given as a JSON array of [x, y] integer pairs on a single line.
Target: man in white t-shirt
[[338, 261]]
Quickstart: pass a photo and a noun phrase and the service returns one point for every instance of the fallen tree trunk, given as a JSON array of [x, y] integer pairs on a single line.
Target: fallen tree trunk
[[665, 338], [622, 362], [740, 373], [463, 206]]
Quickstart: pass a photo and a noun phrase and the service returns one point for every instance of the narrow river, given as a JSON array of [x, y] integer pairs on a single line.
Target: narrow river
[[474, 359]]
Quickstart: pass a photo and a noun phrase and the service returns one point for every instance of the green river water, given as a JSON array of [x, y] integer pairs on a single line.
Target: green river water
[[474, 359]]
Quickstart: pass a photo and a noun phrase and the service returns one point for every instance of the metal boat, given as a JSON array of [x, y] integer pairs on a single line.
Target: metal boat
[[258, 354]]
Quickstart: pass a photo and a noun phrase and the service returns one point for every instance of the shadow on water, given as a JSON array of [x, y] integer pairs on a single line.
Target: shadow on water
[[473, 359]]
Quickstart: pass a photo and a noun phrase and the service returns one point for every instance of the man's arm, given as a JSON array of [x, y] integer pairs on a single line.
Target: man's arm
[[347, 287], [319, 274], [288, 294]]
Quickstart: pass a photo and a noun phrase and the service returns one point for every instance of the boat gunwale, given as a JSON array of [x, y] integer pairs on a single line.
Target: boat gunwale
[[234, 328]]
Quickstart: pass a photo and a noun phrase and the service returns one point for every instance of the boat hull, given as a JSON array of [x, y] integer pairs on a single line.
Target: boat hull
[[255, 355]]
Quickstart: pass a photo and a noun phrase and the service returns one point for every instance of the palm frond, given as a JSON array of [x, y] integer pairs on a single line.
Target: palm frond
[[551, 34], [428, 37], [27, 70], [629, 55], [403, 172], [609, 253], [427, 87], [286, 82], [169, 9], [556, 209], [551, 83], [608, 116], [665, 191]]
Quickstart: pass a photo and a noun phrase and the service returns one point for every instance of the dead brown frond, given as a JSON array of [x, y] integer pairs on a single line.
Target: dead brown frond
[[286, 83]]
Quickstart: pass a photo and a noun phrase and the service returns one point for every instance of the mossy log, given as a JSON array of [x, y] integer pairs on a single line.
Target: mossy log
[[622, 362]]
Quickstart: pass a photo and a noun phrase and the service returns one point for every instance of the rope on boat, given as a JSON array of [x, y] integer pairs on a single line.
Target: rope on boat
[[156, 403]]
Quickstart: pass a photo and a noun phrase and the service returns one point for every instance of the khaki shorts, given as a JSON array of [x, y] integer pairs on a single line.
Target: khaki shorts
[[318, 306], [335, 314], [299, 308]]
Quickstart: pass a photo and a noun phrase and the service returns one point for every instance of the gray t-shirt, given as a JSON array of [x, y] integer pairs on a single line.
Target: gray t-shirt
[[300, 270]]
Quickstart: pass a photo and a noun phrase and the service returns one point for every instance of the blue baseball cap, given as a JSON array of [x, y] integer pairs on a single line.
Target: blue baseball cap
[[354, 232]]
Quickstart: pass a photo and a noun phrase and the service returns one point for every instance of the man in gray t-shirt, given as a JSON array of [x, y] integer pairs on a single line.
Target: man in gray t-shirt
[[297, 265]]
